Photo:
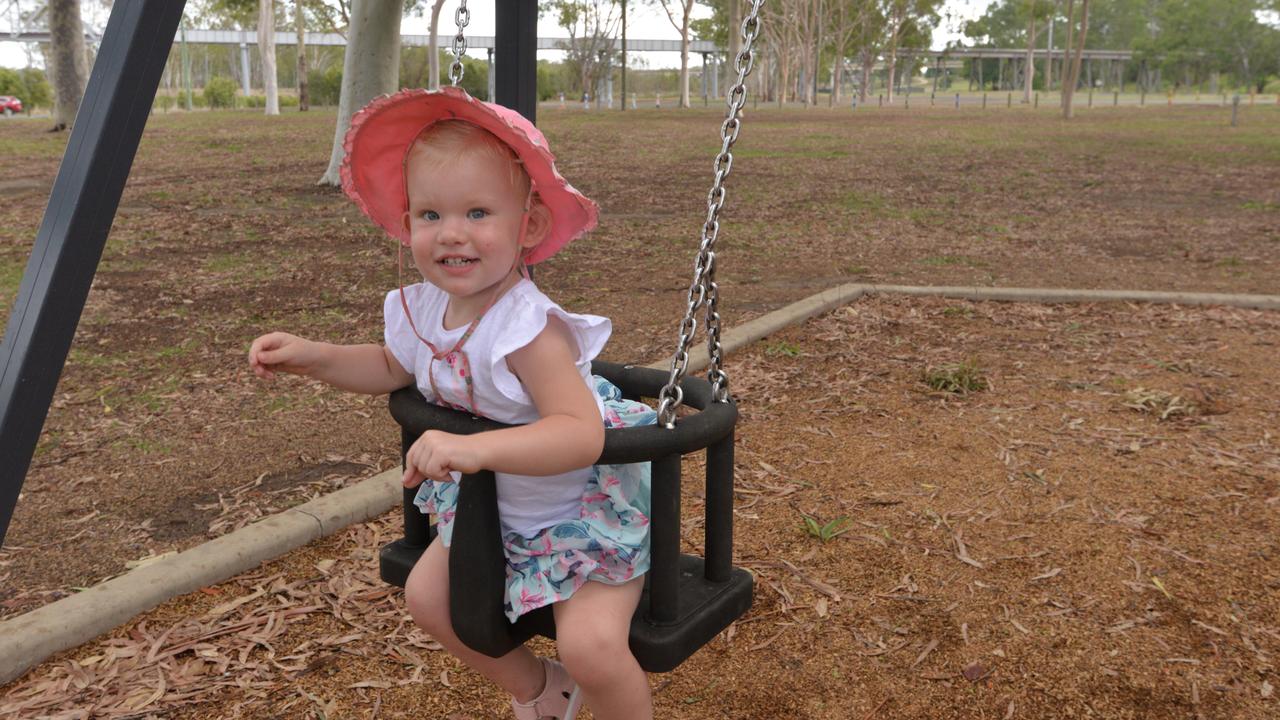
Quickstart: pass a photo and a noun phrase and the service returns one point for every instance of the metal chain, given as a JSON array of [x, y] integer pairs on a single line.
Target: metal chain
[[704, 292], [462, 16]]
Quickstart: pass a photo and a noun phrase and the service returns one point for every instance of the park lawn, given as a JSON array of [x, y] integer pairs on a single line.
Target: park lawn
[[159, 438], [1089, 531]]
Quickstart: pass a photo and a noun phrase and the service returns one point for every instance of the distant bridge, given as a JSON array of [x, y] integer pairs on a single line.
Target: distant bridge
[[480, 42], [486, 42]]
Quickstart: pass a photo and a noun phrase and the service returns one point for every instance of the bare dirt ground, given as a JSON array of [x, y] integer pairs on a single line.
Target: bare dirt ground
[[1091, 535], [159, 439]]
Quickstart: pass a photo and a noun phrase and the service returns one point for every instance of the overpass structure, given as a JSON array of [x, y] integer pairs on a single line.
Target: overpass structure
[[481, 42], [486, 42]]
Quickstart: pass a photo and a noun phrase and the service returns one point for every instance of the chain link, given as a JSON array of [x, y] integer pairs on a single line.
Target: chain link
[[704, 293], [461, 16]]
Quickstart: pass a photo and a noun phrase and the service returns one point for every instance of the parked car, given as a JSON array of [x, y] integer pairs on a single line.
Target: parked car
[[10, 105]]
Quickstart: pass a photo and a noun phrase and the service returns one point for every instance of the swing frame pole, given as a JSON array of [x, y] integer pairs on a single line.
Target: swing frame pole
[[516, 56], [73, 233]]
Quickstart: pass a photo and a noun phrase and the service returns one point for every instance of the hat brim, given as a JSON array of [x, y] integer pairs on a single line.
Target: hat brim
[[382, 132]]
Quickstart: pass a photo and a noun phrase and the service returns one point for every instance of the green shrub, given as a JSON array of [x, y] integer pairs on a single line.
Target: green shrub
[[260, 101], [325, 86], [220, 92]]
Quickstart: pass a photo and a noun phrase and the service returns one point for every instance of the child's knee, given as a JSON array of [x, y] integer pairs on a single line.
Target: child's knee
[[427, 596], [592, 655]]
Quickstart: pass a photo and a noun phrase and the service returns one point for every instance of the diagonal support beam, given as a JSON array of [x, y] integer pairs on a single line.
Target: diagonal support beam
[[74, 231]]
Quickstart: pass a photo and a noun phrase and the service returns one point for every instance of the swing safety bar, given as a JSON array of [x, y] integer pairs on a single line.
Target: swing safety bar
[[687, 600]]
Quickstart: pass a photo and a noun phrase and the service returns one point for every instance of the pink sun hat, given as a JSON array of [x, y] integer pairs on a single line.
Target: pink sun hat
[[382, 132]]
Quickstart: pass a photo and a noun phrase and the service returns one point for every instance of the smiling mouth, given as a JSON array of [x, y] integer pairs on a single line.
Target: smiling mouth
[[457, 261]]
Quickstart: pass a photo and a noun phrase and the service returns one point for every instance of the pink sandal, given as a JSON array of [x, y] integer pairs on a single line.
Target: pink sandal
[[560, 699]]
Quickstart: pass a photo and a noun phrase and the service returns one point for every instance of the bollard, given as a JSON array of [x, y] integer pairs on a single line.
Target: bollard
[[1037, 104], [1251, 92], [633, 101], [984, 101], [657, 100], [931, 98], [958, 100], [1235, 109], [907, 100], [1009, 102], [1115, 99], [882, 100], [1142, 98], [1224, 99], [1090, 97]]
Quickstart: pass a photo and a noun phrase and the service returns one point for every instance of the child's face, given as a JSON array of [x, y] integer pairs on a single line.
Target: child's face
[[464, 222]]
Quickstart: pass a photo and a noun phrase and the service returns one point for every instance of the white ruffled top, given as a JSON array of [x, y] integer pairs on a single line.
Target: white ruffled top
[[526, 504]]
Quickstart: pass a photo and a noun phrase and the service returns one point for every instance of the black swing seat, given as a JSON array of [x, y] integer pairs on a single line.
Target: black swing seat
[[687, 600]]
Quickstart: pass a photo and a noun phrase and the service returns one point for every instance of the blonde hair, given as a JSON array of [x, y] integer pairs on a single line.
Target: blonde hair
[[450, 140]]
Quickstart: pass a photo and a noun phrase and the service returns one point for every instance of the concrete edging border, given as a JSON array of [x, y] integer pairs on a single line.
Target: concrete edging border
[[30, 638]]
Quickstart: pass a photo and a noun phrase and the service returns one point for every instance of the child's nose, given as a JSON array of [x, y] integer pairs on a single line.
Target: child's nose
[[451, 231]]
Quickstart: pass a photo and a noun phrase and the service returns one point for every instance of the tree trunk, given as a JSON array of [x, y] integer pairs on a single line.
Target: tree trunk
[[684, 58], [370, 67], [267, 48], [735, 35], [304, 97], [1069, 89], [68, 65], [1048, 63], [433, 47], [1029, 70], [1065, 70], [864, 86], [891, 55]]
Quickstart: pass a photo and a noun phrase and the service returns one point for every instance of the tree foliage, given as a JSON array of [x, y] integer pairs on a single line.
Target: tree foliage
[[1189, 40]]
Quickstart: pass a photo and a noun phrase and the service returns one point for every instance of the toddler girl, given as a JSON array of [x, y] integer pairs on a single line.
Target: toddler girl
[[471, 189]]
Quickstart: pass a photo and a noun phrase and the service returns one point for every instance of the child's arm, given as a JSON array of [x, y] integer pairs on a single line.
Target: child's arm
[[369, 369], [568, 435]]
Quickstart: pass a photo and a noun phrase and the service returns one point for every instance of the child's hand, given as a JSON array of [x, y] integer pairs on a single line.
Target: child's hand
[[282, 352], [436, 453]]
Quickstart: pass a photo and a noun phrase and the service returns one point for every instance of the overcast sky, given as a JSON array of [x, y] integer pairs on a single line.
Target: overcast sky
[[644, 21]]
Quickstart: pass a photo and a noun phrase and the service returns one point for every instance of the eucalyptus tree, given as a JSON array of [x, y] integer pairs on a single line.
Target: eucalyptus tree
[[592, 25], [433, 46], [908, 24], [267, 52], [685, 11], [371, 67], [1072, 77], [68, 64]]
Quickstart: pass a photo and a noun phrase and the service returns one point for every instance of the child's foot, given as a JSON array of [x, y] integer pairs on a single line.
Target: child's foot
[[560, 698]]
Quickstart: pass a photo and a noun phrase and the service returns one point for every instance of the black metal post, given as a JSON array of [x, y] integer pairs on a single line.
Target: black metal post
[[664, 541], [516, 41], [82, 206], [718, 531]]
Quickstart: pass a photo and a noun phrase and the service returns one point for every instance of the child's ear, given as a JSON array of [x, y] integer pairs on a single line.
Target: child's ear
[[539, 225]]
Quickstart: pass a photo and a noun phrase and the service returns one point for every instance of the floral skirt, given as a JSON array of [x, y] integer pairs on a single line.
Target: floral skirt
[[609, 542]]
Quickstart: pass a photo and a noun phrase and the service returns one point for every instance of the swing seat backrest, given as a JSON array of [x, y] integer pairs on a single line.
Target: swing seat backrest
[[687, 599]]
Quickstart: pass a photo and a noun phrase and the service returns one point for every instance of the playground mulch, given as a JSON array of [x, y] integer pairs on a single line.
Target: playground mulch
[[158, 438], [952, 510]]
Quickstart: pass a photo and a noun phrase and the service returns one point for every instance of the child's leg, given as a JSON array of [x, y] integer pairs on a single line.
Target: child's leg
[[592, 628], [426, 592]]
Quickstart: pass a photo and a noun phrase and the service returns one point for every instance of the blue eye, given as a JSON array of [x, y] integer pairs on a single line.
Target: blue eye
[[431, 215], [477, 214]]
